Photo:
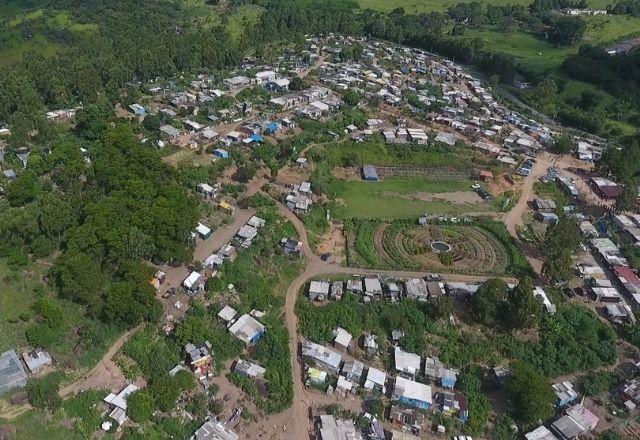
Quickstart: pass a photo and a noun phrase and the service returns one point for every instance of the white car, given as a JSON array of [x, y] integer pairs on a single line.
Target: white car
[[475, 185]]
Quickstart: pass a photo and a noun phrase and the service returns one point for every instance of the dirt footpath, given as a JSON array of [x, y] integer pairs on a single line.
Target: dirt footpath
[[106, 374]]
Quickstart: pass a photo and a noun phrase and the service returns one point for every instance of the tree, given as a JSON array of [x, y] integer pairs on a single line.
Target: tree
[[351, 98], [141, 406], [297, 84], [25, 189], [43, 391], [627, 200], [545, 97], [565, 30], [245, 172], [55, 217], [523, 309], [165, 391], [470, 383], [561, 241], [504, 429], [152, 122], [91, 123], [563, 144], [489, 301], [529, 394], [558, 265]]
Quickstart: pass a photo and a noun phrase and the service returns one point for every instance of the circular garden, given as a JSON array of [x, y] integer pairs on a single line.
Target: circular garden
[[463, 248]]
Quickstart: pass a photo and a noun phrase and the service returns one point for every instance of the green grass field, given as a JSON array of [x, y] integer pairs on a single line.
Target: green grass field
[[20, 290], [401, 198], [415, 6], [379, 153], [15, 44], [16, 297], [538, 55]]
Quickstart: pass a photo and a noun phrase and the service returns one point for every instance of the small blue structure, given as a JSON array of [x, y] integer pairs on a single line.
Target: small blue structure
[[255, 137], [272, 127], [369, 173], [565, 394], [219, 152], [412, 393], [449, 378], [138, 110]]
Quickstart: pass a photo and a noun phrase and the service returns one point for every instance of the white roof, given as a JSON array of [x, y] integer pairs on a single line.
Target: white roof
[[246, 328], [319, 105], [247, 232], [411, 389], [343, 337], [322, 354], [120, 400], [344, 383], [372, 284], [321, 287], [375, 376], [250, 369], [538, 291], [193, 278], [215, 430], [265, 74], [406, 362], [202, 229], [213, 260], [540, 433], [227, 313], [282, 82]]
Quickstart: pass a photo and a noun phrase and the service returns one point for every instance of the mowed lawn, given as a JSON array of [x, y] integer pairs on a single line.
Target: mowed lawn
[[398, 198]]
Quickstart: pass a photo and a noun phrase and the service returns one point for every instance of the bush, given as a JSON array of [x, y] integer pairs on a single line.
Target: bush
[[597, 383], [43, 391], [141, 406]]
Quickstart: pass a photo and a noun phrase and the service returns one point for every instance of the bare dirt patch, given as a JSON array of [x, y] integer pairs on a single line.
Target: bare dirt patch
[[457, 197], [333, 242], [349, 174], [290, 175]]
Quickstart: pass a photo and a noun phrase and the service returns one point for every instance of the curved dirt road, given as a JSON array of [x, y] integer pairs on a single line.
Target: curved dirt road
[[300, 426]]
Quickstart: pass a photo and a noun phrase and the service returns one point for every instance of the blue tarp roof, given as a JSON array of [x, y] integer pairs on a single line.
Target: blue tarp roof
[[271, 127], [256, 138]]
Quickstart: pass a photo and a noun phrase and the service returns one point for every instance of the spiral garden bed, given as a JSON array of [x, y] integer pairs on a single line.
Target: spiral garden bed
[[404, 245]]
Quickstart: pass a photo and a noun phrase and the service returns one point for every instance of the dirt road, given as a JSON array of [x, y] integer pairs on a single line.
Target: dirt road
[[299, 412], [106, 374]]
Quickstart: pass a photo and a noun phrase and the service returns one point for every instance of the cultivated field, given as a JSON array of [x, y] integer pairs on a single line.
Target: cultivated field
[[403, 244]]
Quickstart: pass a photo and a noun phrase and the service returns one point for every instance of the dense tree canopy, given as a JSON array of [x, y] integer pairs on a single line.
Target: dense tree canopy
[[529, 394]]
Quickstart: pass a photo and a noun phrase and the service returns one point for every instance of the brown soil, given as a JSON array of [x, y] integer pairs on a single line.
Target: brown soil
[[290, 175], [349, 174], [333, 242], [457, 197]]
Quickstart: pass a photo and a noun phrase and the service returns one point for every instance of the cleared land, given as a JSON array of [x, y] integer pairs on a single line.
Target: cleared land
[[402, 197], [538, 55]]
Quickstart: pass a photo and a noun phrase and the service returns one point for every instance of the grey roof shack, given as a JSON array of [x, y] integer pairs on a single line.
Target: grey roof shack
[[369, 173], [12, 374]]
